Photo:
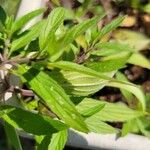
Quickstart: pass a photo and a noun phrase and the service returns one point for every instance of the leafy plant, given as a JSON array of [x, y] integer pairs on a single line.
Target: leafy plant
[[46, 71], [7, 4]]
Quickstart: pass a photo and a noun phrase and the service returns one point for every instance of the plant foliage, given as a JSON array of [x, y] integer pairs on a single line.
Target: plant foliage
[[52, 74]]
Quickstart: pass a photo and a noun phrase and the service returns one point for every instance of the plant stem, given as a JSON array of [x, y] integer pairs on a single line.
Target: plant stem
[[84, 56], [20, 60], [6, 49], [26, 92]]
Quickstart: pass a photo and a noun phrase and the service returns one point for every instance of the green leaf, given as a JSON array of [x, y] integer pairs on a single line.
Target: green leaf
[[50, 91], [128, 126], [55, 142], [117, 112], [136, 40], [32, 34], [43, 142], [89, 107], [2, 15], [21, 22], [144, 125], [10, 6], [5, 109], [110, 48], [134, 59], [110, 65], [56, 48], [109, 27], [12, 136], [128, 95], [79, 84], [99, 126], [146, 8], [112, 82], [77, 68], [9, 22], [55, 19], [134, 89], [79, 29], [32, 122]]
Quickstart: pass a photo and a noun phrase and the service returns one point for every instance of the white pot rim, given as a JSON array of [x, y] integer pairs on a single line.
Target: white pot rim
[[107, 141]]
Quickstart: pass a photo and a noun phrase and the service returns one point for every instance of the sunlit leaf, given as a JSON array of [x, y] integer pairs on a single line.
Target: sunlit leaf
[[50, 91], [77, 68], [32, 33], [129, 126], [134, 89], [88, 107], [114, 83], [52, 23], [117, 112], [110, 48], [128, 95], [109, 27], [99, 126], [79, 84], [111, 64], [70, 36], [10, 6], [136, 40], [146, 8], [55, 141], [21, 22], [77, 30], [137, 58]]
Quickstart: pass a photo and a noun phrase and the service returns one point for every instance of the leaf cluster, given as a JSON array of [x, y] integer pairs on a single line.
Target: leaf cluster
[[58, 69]]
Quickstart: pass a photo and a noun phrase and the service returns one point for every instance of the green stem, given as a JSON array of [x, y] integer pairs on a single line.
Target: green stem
[[6, 49]]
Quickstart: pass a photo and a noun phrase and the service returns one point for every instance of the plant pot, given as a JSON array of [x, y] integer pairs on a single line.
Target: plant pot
[[91, 140]]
